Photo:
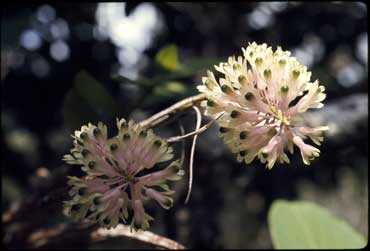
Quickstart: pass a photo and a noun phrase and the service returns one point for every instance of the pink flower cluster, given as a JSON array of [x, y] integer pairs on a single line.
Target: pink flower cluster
[[260, 99], [118, 174]]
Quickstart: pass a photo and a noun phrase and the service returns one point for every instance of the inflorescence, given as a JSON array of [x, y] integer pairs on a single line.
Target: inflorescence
[[261, 98]]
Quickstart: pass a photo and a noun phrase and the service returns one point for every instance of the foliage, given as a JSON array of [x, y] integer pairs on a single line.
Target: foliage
[[305, 225]]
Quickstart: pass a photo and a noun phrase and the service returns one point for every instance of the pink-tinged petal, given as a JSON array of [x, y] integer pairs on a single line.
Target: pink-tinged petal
[[315, 134], [140, 219], [308, 152], [274, 151], [311, 100], [172, 172], [165, 201]]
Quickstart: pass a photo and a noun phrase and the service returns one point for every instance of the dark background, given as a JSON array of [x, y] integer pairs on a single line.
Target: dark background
[[58, 63]]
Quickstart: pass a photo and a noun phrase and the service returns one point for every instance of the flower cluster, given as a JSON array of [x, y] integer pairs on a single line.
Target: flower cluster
[[118, 176], [260, 100]]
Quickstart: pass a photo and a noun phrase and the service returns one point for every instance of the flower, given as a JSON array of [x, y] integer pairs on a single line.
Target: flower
[[260, 100], [118, 174]]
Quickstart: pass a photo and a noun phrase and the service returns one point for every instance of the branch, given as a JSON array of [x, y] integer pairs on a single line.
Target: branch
[[196, 132], [182, 130], [144, 236], [166, 113], [52, 236]]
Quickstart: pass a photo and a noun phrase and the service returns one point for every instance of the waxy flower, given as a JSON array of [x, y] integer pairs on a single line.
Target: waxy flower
[[119, 176], [261, 98]]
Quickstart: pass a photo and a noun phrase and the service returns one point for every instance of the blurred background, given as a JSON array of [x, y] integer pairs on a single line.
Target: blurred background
[[65, 65]]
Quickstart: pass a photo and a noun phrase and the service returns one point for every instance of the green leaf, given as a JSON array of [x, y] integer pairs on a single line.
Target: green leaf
[[95, 94], [170, 88], [76, 112], [140, 82], [11, 190], [87, 101], [305, 225], [167, 57], [196, 64]]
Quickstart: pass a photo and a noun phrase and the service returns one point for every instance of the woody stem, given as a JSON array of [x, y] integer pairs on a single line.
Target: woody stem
[[165, 114]]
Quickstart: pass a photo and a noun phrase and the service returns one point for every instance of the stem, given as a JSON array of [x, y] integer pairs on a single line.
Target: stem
[[199, 121], [166, 113], [144, 236], [182, 143], [196, 132]]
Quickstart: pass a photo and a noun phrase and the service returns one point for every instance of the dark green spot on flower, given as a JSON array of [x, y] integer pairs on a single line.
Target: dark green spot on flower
[[236, 66], [113, 147], [241, 78], [234, 114], [92, 164], [176, 168], [96, 132], [85, 152], [224, 129], [284, 88], [226, 89], [126, 136], [96, 201], [124, 125], [243, 153], [82, 191], [211, 103], [243, 135], [143, 134], [249, 96], [83, 135], [267, 73], [258, 61], [157, 143], [295, 74], [168, 202], [282, 62]]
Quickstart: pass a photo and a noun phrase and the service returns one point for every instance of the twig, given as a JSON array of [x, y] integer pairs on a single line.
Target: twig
[[144, 236], [199, 121], [166, 113], [202, 129], [182, 130], [59, 233]]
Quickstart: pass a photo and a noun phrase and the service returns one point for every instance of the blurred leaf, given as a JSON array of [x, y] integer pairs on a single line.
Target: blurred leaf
[[95, 94], [305, 225], [87, 101], [196, 64], [140, 82], [187, 69], [10, 190], [170, 88], [167, 57], [76, 112]]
